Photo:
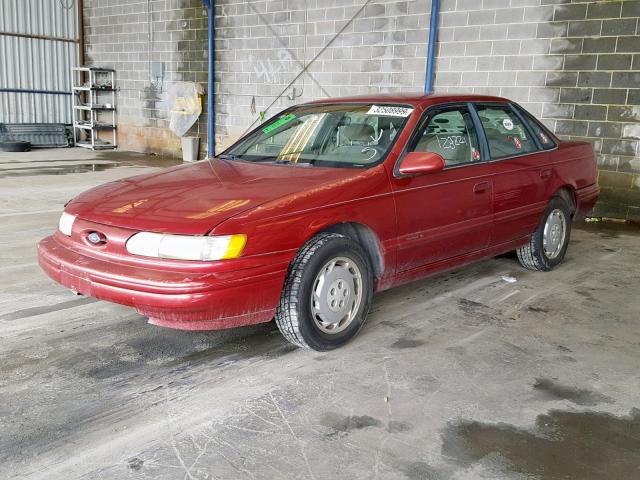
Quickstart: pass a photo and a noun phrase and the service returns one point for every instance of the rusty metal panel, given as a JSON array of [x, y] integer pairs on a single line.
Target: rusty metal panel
[[35, 81]]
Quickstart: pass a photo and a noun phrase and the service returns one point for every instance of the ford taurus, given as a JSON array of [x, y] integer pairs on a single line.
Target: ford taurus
[[308, 215]]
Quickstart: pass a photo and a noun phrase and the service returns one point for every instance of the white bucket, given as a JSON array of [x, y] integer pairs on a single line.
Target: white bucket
[[190, 148]]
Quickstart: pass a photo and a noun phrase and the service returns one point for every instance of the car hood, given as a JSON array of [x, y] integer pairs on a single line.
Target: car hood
[[192, 199]]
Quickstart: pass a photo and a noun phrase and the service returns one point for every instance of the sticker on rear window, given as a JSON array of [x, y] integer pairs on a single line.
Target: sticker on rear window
[[507, 123], [278, 123], [389, 111], [516, 141]]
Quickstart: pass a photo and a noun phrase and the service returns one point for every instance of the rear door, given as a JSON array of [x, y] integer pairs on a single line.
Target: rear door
[[448, 213], [521, 171]]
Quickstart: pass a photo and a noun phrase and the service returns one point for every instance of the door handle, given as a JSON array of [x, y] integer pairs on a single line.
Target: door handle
[[545, 173], [481, 187]]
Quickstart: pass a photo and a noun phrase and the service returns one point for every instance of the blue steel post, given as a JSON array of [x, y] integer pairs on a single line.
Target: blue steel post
[[211, 117], [431, 49]]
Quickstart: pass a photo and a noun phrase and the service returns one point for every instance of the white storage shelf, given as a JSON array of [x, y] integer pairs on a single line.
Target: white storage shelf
[[93, 100]]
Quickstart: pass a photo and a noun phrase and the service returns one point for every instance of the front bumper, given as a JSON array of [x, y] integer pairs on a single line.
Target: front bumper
[[180, 300]]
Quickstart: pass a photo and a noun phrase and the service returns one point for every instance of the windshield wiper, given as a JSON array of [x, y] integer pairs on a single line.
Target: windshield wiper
[[271, 159]]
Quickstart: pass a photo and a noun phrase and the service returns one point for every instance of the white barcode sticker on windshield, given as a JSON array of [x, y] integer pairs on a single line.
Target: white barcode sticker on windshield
[[389, 111]]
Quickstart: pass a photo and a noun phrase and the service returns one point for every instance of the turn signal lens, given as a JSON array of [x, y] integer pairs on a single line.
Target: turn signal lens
[[236, 245], [65, 224], [186, 247]]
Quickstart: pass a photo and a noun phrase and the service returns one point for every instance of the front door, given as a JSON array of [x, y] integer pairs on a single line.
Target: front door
[[448, 213]]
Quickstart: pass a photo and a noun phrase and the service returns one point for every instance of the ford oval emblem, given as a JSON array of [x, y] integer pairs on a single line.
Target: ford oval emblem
[[95, 238]]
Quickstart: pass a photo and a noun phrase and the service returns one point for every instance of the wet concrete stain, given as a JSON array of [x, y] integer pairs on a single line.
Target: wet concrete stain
[[344, 424], [587, 293], [388, 323], [396, 426], [420, 471], [609, 234], [105, 161], [477, 313], [135, 464], [425, 384], [556, 391], [567, 358], [403, 343], [563, 445], [138, 159], [535, 309], [610, 230], [57, 169], [33, 311], [469, 306]]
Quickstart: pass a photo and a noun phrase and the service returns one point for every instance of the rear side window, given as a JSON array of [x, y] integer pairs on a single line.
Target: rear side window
[[543, 137], [506, 134], [451, 134]]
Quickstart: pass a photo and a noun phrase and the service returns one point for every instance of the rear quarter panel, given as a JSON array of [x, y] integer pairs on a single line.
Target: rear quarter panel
[[574, 165]]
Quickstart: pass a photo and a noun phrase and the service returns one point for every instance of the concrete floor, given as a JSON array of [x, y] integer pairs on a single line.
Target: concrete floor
[[462, 376]]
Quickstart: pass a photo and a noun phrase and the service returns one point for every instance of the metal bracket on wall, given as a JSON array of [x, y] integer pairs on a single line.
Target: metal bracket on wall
[[305, 68], [293, 95]]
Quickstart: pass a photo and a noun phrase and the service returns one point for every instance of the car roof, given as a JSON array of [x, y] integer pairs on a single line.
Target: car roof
[[414, 99]]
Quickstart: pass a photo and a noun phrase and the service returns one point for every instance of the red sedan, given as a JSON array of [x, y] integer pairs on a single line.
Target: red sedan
[[308, 215]]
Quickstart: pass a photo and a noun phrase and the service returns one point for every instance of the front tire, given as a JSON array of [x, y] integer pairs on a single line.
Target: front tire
[[327, 293], [548, 244]]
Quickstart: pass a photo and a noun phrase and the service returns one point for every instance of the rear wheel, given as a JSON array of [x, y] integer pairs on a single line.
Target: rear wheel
[[327, 293], [549, 242]]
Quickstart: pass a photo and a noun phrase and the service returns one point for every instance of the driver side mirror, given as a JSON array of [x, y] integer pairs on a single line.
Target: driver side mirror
[[419, 163]]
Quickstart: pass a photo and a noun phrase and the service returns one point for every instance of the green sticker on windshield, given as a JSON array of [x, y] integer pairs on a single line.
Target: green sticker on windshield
[[278, 123]]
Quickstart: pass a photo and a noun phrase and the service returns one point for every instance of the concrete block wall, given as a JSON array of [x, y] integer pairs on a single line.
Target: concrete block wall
[[128, 36], [575, 64], [350, 47]]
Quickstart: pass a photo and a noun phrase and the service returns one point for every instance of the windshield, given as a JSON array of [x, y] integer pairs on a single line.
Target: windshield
[[336, 135]]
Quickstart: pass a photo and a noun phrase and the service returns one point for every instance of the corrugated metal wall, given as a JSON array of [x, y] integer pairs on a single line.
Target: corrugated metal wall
[[37, 64]]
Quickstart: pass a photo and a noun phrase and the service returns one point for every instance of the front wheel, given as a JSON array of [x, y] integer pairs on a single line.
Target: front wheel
[[327, 293], [549, 242]]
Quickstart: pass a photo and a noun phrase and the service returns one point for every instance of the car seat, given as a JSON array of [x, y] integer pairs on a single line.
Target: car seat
[[351, 141], [453, 147]]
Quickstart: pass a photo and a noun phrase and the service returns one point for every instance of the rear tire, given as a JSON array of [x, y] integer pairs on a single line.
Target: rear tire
[[327, 293], [548, 244]]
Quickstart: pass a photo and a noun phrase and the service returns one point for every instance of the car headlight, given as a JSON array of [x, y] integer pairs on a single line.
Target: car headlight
[[65, 224], [186, 247]]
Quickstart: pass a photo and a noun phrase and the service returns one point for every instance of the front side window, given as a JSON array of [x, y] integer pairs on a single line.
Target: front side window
[[336, 135], [451, 134], [506, 134]]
